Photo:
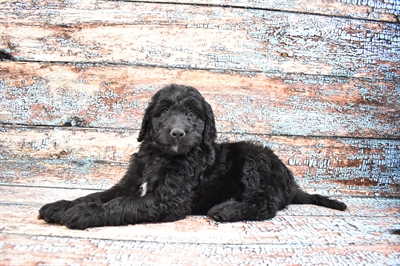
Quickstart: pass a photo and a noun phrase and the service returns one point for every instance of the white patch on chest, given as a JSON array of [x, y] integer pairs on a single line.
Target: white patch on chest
[[143, 189]]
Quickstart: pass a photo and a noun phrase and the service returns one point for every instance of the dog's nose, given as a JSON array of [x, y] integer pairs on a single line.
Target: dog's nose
[[177, 133]]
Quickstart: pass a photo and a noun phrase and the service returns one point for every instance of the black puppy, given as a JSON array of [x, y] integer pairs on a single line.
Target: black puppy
[[180, 170]]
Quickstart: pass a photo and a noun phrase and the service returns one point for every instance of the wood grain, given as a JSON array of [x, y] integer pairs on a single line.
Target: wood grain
[[59, 251], [373, 206], [282, 229], [97, 158], [232, 39], [22, 11], [115, 96], [286, 238], [371, 10], [317, 81]]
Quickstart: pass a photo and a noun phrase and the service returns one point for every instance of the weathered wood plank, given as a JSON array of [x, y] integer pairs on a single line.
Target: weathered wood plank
[[228, 39], [43, 156], [97, 158], [115, 96], [288, 239], [282, 229], [374, 10], [67, 251], [336, 162], [124, 12], [357, 206]]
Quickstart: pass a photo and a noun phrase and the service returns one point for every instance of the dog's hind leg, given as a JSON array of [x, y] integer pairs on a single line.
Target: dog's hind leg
[[231, 211]]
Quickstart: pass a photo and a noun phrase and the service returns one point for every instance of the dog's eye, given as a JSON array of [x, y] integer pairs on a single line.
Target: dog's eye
[[192, 114], [164, 112]]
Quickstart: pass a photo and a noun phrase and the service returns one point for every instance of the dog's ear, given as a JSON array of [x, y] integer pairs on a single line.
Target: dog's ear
[[210, 132], [146, 122]]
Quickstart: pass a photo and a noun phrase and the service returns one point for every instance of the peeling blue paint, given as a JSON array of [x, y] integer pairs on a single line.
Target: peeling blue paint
[[321, 44]]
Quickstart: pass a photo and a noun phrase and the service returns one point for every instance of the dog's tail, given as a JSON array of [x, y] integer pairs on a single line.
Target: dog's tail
[[303, 197]]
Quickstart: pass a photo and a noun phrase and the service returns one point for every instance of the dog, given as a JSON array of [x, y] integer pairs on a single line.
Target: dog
[[181, 170]]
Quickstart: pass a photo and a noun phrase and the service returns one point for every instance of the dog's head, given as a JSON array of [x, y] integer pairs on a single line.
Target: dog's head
[[178, 119]]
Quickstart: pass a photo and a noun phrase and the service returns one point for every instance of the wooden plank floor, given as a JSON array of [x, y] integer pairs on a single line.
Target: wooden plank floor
[[317, 81], [298, 235]]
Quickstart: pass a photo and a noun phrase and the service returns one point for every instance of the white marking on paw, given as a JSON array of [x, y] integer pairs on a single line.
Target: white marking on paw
[[143, 189]]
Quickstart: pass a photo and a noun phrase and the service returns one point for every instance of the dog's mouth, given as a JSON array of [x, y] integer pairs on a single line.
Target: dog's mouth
[[178, 148], [173, 147]]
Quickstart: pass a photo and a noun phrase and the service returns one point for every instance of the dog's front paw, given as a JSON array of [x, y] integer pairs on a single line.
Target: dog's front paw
[[230, 211], [53, 212], [85, 215]]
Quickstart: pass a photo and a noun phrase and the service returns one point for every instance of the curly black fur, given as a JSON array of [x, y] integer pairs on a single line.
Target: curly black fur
[[180, 170]]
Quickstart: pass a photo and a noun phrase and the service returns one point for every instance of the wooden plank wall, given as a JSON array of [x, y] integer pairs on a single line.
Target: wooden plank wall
[[318, 81]]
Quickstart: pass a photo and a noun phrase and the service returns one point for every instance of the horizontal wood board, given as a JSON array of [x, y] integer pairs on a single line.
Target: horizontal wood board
[[157, 35], [358, 206], [66, 251], [115, 96], [362, 234], [98, 158], [380, 10], [201, 229], [377, 10]]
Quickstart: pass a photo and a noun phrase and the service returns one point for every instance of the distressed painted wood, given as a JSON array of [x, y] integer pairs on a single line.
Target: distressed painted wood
[[115, 96], [51, 157], [282, 229], [289, 238], [97, 158], [59, 250], [23, 11], [372, 10], [357, 206], [228, 39], [317, 81]]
